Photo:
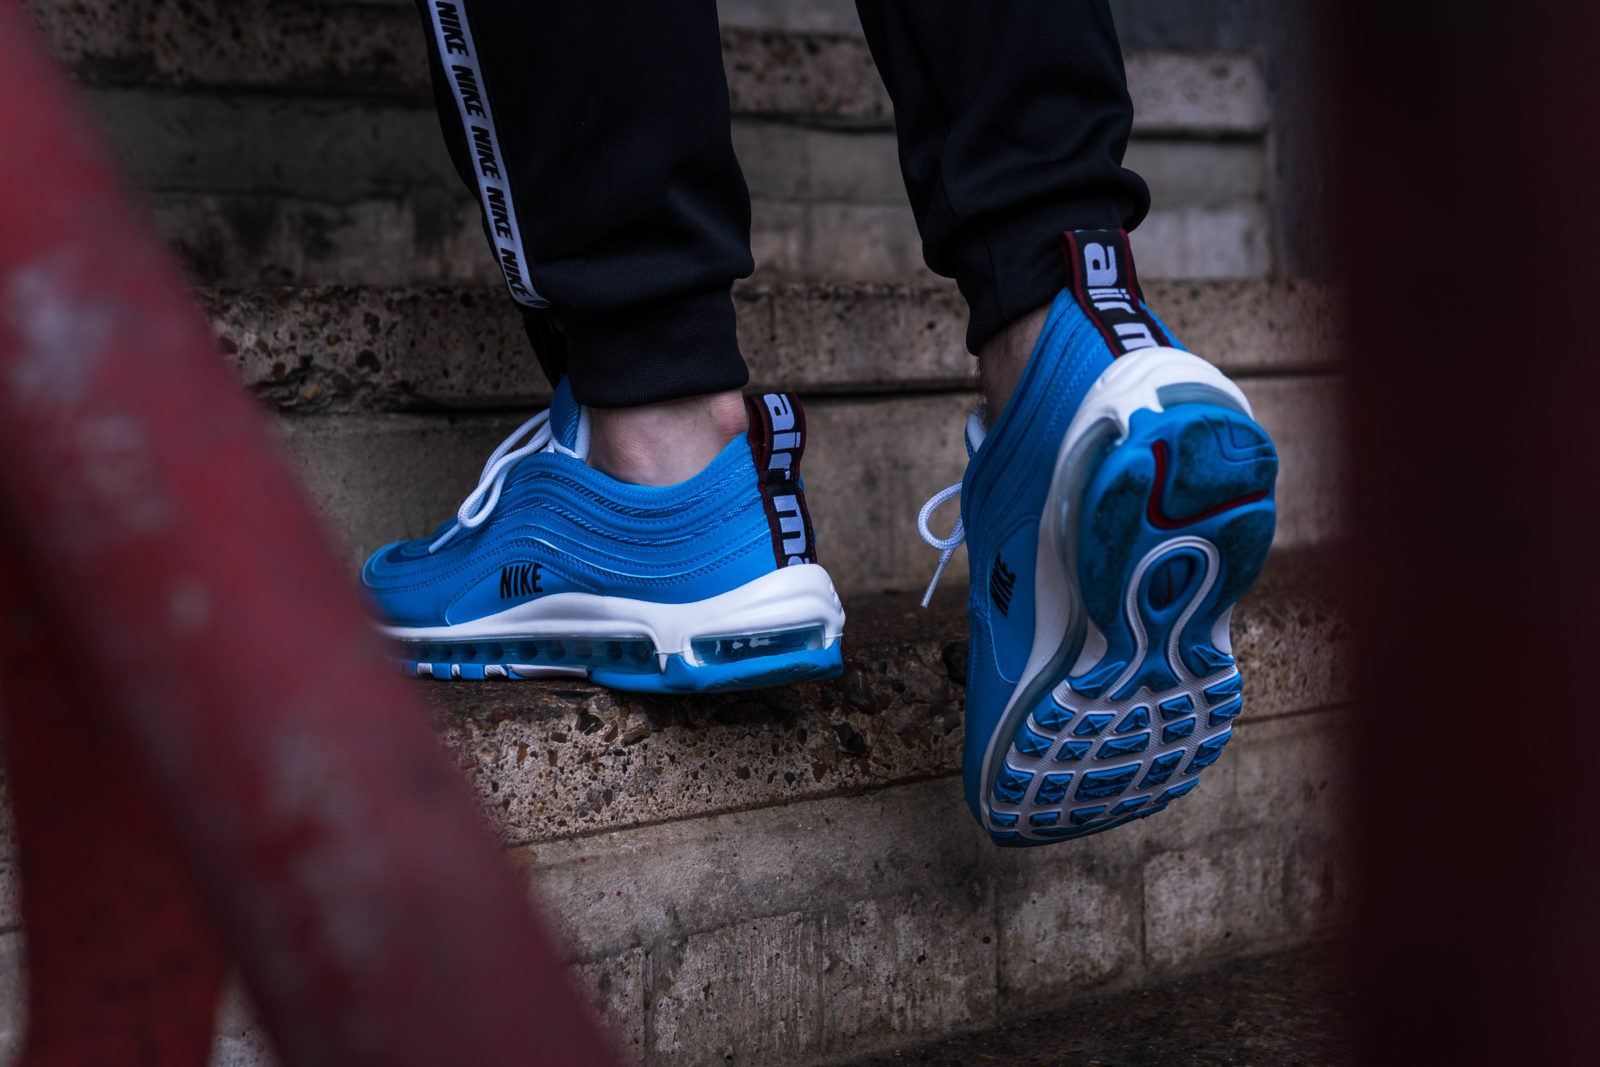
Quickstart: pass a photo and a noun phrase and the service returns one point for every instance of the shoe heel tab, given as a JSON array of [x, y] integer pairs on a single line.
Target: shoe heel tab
[[1100, 269], [777, 442]]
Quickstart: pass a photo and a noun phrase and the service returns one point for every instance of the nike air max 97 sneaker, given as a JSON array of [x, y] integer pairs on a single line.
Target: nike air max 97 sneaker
[[1113, 513], [553, 568]]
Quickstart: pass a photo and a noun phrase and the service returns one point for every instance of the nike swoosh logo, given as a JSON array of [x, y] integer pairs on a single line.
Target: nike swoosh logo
[[1161, 520]]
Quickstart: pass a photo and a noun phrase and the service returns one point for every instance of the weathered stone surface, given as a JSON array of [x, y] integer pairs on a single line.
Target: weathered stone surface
[[825, 77], [1178, 92], [1196, 902], [1248, 327], [797, 933], [909, 967], [339, 151], [1198, 881], [1293, 1008], [783, 162], [1304, 416], [555, 760], [432, 236], [369, 349], [801, 925], [827, 16], [711, 989], [792, 240], [258, 191], [615, 990], [304, 46], [1204, 896], [239, 1040], [1067, 925], [815, 70], [13, 996], [835, 926], [429, 236], [379, 478]]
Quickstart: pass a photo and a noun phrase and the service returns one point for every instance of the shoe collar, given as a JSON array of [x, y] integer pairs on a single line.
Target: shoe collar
[[569, 421]]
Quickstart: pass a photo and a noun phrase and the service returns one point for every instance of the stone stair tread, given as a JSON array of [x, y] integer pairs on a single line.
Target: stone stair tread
[[399, 349], [556, 759], [375, 51]]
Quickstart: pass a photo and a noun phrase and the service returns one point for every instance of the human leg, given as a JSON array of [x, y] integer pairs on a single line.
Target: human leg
[[596, 138], [597, 143], [1119, 496], [1012, 123], [636, 533]]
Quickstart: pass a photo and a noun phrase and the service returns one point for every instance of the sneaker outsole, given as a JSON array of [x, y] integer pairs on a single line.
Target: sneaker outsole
[[1173, 524]]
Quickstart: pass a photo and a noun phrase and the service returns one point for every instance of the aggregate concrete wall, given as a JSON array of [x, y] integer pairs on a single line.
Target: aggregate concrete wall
[[369, 349], [295, 143], [806, 69], [561, 761], [822, 930], [259, 189], [791, 876], [885, 369]]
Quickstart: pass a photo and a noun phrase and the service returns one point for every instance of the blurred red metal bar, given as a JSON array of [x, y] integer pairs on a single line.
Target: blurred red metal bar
[[1464, 160], [123, 969], [174, 568]]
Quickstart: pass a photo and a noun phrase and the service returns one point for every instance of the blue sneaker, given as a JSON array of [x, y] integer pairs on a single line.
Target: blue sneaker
[[1115, 511], [552, 568]]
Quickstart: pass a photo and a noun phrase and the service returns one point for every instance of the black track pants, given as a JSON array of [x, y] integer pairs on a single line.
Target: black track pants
[[596, 137]]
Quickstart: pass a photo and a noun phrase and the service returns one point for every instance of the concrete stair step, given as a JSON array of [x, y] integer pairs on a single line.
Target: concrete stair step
[[555, 760], [295, 143], [374, 51], [361, 376], [790, 876], [341, 349], [431, 235], [270, 189]]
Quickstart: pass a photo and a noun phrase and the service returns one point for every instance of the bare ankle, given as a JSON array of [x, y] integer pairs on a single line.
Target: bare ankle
[[1003, 359], [665, 443]]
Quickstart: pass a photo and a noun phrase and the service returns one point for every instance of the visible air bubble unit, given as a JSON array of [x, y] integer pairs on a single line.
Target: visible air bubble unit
[[720, 650], [629, 655]]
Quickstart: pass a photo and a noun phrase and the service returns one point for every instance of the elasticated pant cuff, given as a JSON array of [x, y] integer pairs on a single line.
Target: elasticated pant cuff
[[683, 347], [1024, 266]]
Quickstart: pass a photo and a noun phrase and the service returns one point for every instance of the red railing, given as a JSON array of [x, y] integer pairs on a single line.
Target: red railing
[[209, 767]]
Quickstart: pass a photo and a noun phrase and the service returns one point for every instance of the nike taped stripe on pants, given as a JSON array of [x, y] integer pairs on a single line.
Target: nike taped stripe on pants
[[611, 122], [610, 125]]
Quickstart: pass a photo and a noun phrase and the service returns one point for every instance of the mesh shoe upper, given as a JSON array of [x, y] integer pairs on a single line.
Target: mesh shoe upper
[[561, 526], [1002, 495]]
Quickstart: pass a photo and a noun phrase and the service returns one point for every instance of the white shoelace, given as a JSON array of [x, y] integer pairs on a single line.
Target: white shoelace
[[481, 502], [947, 545]]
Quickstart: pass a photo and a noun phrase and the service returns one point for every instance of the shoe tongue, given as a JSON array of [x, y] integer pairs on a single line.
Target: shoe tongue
[[569, 420]]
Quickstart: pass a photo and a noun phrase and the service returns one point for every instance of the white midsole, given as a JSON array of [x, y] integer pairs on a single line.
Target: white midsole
[[793, 598], [1152, 379]]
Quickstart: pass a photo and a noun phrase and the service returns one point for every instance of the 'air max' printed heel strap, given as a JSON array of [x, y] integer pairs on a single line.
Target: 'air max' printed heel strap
[[1100, 264], [777, 441]]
